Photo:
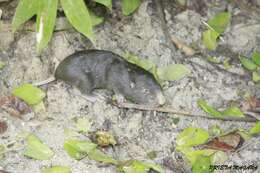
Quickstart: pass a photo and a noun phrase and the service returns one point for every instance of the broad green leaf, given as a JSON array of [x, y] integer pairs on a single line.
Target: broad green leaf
[[209, 109], [78, 16], [191, 155], [173, 72], [78, 149], [202, 165], [256, 76], [136, 166], [36, 149], [45, 23], [255, 129], [56, 169], [95, 20], [107, 3], [30, 94], [219, 157], [191, 137], [256, 58], [209, 39], [98, 155], [83, 125], [233, 111], [247, 63], [220, 21], [129, 6], [143, 63], [2, 65], [24, 11], [70, 133]]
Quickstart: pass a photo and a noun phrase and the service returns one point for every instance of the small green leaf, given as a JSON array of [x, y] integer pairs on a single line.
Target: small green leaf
[[191, 137], [220, 21], [24, 11], [173, 72], [83, 125], [98, 155], [78, 16], [45, 23], [56, 169], [256, 58], [247, 63], [255, 129], [78, 149], [209, 39], [30, 94], [129, 6], [105, 138], [191, 155], [107, 3], [213, 59], [227, 64], [209, 109], [2, 65], [215, 130], [2, 151], [95, 20], [36, 149], [155, 167], [233, 111], [202, 165], [256, 76], [135, 166]]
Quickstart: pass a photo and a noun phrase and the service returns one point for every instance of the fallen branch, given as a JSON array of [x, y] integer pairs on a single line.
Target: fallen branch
[[170, 110], [182, 46]]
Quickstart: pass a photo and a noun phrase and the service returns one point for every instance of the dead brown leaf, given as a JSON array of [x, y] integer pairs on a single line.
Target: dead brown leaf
[[3, 127], [228, 142], [2, 171], [14, 106]]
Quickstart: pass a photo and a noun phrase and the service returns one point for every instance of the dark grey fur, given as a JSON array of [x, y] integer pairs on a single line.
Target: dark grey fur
[[93, 69]]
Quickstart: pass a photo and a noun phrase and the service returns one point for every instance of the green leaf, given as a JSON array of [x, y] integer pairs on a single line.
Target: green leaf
[[173, 72], [83, 125], [247, 63], [209, 109], [191, 155], [213, 59], [209, 39], [191, 137], [2, 65], [202, 165], [36, 149], [56, 169], [135, 166], [95, 20], [220, 21], [129, 6], [107, 3], [2, 151], [256, 76], [78, 16], [226, 64], [255, 129], [24, 11], [78, 149], [30, 94], [233, 111], [45, 23], [256, 58], [98, 155]]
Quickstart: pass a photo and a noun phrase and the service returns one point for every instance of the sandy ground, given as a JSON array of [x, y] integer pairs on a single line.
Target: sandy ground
[[139, 132]]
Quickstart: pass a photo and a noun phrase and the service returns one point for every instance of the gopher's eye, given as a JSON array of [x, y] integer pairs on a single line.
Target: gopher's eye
[[145, 90]]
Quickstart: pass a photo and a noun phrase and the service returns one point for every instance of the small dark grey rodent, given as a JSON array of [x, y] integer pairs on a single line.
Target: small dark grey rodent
[[93, 69]]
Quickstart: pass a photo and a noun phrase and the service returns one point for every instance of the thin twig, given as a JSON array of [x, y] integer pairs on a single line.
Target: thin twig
[[170, 110]]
